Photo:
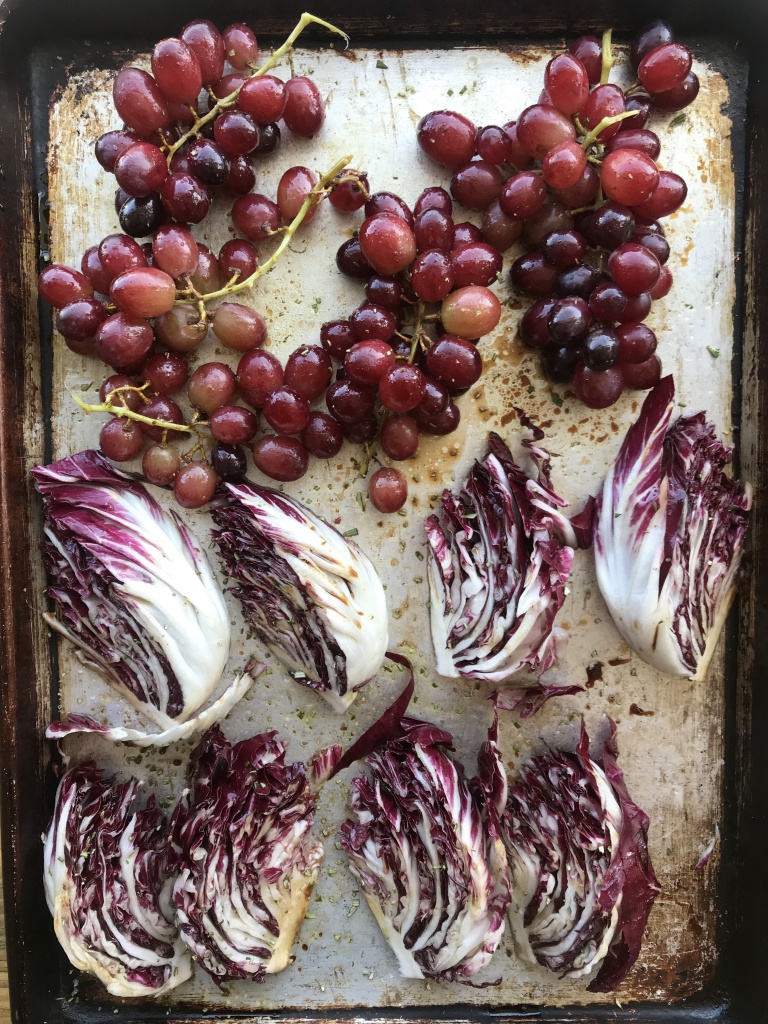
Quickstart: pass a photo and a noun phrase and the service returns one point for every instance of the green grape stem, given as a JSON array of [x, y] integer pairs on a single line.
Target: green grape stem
[[594, 135], [608, 61], [122, 411], [231, 99]]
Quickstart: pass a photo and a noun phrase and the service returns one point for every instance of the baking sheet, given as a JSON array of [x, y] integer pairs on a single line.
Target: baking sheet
[[672, 759]]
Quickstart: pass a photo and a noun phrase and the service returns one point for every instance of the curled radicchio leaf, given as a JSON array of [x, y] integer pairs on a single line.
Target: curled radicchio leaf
[[528, 701], [582, 881], [133, 589], [426, 847], [669, 536], [499, 559], [107, 884], [310, 594], [246, 861]]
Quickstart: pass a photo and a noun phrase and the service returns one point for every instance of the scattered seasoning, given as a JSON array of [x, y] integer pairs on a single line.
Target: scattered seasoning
[[556, 398], [594, 674], [462, 90], [360, 499], [714, 352], [635, 709], [351, 533], [382, 65], [677, 120]]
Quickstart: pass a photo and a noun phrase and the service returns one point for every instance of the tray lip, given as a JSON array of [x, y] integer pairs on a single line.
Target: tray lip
[[711, 1003]]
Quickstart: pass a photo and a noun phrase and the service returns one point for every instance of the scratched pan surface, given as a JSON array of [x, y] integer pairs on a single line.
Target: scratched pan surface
[[670, 731]]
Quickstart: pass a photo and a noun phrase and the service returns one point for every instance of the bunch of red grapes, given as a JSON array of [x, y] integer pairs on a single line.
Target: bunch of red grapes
[[585, 197]]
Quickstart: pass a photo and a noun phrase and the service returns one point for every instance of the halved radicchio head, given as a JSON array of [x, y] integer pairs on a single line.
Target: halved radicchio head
[[669, 536], [312, 596], [500, 555], [107, 884], [132, 587], [582, 881], [246, 861], [426, 847]]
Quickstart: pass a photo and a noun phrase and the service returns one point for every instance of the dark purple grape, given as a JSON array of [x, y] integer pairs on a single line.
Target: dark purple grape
[[569, 320], [600, 349], [560, 362], [613, 225], [580, 280]]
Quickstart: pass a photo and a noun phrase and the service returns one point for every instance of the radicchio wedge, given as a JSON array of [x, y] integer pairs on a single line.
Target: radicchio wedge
[[499, 559], [312, 596], [246, 861], [107, 884], [669, 537], [133, 589], [582, 881], [426, 847]]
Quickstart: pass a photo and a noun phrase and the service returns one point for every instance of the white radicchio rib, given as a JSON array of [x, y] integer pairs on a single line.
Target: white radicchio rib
[[246, 860], [312, 596], [426, 848], [107, 885], [669, 536], [132, 587], [582, 881], [499, 559]]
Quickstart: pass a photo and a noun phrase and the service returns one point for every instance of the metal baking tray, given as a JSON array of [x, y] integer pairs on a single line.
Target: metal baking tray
[[694, 765]]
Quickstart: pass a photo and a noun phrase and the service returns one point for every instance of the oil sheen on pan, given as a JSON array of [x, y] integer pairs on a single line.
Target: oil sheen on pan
[[672, 759]]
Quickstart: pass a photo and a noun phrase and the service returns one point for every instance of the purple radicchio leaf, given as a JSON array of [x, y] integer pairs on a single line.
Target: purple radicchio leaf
[[132, 587], [500, 553], [426, 848], [310, 594], [669, 537], [246, 861], [528, 701], [582, 881], [107, 883]]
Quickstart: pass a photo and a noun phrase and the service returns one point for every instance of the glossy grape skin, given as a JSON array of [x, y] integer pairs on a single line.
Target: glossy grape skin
[[499, 230], [563, 248], [476, 185], [304, 110], [176, 70], [399, 437], [119, 253], [641, 376], [140, 216], [634, 268], [280, 458], [211, 386], [166, 372], [256, 217], [143, 292], [433, 198], [567, 82], [522, 195], [236, 133], [465, 232], [434, 229], [205, 40], [79, 320], [642, 106], [534, 330], [129, 399], [607, 301], [139, 101], [435, 401], [668, 196], [180, 329], [351, 261], [59, 285], [308, 371], [367, 361], [682, 95], [233, 424], [240, 46], [229, 461], [559, 362], [286, 411], [336, 337], [348, 192], [322, 436], [654, 34], [160, 408], [208, 162], [387, 243], [580, 279], [160, 464], [292, 190], [637, 308], [224, 88], [269, 139], [402, 387], [635, 138], [194, 485], [185, 198], [120, 440], [263, 98], [122, 341], [569, 320], [600, 349], [388, 490], [258, 373], [349, 402], [447, 138], [551, 217], [444, 422], [432, 275], [604, 101], [598, 389], [663, 284], [454, 362], [540, 128], [388, 202], [475, 263], [629, 176], [637, 343], [493, 144], [361, 431], [238, 257], [612, 225], [207, 275], [655, 243], [110, 145], [532, 275], [175, 250], [589, 50], [384, 291], [564, 165], [470, 312], [664, 67]]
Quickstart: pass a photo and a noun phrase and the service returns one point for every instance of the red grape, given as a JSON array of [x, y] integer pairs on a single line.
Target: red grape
[[563, 248], [598, 389], [240, 46], [185, 198], [280, 458], [228, 460], [194, 485], [144, 292], [640, 376], [292, 191], [523, 194], [211, 386], [607, 301], [668, 196], [518, 157], [160, 408], [256, 217], [580, 280], [499, 230], [384, 291], [447, 137], [583, 193], [551, 217], [118, 254], [612, 225], [466, 232], [366, 361], [569, 320], [177, 71], [600, 348], [336, 336], [348, 192], [476, 185], [388, 202], [402, 387], [308, 371], [388, 490], [399, 437], [258, 373], [238, 257], [493, 144], [208, 162], [634, 268], [304, 110], [680, 96], [160, 464], [123, 341], [91, 267], [664, 67], [532, 275], [263, 98], [110, 145], [286, 411], [567, 82], [387, 243], [534, 329], [589, 50], [656, 33], [60, 285], [120, 440], [433, 229], [637, 308], [433, 198], [432, 275], [322, 436], [475, 263], [604, 101], [351, 261], [455, 362], [663, 285], [540, 128], [444, 422], [175, 250], [236, 133], [350, 402], [637, 343], [238, 327], [635, 138], [233, 424], [129, 399], [629, 176], [181, 329], [139, 102], [470, 312], [560, 362], [205, 40], [564, 165], [167, 372]]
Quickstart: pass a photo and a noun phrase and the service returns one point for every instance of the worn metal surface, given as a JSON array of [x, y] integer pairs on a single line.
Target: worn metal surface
[[672, 759]]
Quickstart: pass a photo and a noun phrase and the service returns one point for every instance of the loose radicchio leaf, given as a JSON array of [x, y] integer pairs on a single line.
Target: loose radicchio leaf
[[426, 848], [526, 702], [245, 858], [499, 559], [107, 885], [132, 587], [582, 881], [310, 594], [669, 536], [183, 730]]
